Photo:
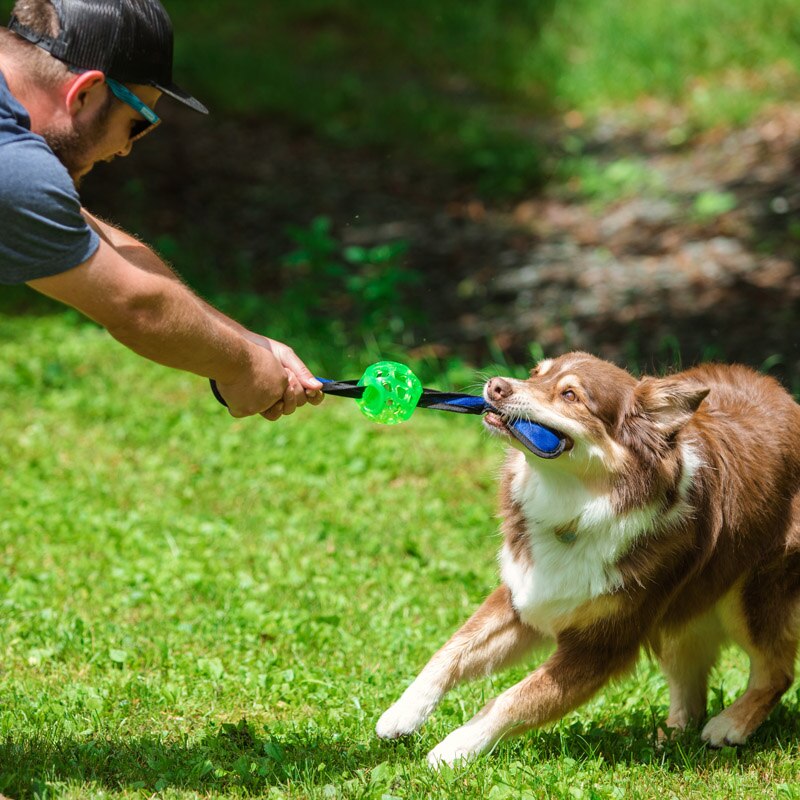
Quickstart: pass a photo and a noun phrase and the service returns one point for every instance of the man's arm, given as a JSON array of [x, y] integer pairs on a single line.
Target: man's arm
[[136, 252], [159, 318]]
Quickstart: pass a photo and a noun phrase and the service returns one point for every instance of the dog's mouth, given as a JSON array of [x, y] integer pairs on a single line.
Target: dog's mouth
[[494, 420], [541, 440]]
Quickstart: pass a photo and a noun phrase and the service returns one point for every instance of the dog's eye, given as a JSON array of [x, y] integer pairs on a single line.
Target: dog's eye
[[569, 395]]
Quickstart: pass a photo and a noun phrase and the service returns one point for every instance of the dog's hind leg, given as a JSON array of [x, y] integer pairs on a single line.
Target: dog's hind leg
[[492, 638], [686, 658], [760, 619]]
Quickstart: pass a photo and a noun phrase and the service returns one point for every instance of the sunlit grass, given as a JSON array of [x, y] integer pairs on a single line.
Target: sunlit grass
[[201, 607]]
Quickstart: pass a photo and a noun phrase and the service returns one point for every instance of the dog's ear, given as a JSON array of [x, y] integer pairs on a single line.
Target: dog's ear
[[668, 403]]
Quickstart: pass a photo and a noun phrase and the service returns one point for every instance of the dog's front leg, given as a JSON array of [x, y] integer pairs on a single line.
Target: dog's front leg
[[577, 669], [491, 639]]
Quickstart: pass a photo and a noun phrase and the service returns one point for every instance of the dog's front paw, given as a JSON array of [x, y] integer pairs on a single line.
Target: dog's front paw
[[415, 705], [462, 744], [723, 730], [403, 718]]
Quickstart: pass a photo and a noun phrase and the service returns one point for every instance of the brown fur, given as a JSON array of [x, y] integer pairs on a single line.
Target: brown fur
[[721, 558]]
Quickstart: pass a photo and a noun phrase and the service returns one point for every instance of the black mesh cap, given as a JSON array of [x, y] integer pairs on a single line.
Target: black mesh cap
[[128, 40]]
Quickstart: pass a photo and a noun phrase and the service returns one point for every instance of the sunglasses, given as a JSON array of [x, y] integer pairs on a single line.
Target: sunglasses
[[140, 127]]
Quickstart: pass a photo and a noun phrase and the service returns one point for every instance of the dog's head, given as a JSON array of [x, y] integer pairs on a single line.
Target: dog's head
[[605, 414]]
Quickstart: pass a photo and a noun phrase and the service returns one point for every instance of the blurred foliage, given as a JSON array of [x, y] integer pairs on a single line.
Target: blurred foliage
[[465, 83], [539, 53], [603, 182], [710, 203], [428, 77], [360, 289], [463, 86]]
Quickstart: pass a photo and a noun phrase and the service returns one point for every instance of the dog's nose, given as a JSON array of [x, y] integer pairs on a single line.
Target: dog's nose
[[498, 389]]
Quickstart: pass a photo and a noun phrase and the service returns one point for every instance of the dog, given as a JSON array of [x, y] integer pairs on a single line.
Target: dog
[[671, 522]]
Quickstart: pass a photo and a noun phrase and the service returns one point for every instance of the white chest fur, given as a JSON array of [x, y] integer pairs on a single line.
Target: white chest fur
[[568, 571]]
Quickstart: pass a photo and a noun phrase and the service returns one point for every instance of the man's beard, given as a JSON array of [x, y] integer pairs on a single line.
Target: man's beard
[[72, 145]]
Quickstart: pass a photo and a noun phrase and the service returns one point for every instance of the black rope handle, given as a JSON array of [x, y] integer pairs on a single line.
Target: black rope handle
[[215, 390]]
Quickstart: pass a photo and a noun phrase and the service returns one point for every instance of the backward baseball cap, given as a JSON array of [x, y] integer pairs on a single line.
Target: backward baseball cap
[[127, 40]]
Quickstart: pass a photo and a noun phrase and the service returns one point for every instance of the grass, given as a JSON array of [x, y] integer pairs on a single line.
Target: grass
[[200, 607]]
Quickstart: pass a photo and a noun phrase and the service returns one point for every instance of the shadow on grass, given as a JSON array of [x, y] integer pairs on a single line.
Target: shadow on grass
[[232, 758], [238, 759], [634, 740]]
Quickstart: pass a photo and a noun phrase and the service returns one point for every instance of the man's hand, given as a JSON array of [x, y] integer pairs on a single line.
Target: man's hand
[[302, 386], [279, 373], [262, 387]]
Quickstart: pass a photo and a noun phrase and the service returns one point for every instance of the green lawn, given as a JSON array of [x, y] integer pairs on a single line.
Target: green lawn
[[201, 607]]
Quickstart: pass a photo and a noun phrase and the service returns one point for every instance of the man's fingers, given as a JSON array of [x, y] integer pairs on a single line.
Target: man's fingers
[[310, 383], [275, 413], [294, 364], [293, 398], [314, 397], [290, 400]]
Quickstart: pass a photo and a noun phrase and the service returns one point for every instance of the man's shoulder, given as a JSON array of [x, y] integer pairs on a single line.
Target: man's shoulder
[[27, 160], [44, 232], [34, 181]]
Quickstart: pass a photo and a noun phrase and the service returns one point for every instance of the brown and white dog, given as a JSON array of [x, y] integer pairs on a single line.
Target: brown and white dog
[[672, 522]]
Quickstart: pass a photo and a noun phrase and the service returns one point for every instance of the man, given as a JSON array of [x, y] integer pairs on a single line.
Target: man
[[79, 80]]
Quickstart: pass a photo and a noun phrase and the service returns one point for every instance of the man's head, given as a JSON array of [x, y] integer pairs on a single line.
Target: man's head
[[104, 64]]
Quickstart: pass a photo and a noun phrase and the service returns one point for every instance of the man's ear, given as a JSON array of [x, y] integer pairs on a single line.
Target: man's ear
[[668, 403], [84, 91]]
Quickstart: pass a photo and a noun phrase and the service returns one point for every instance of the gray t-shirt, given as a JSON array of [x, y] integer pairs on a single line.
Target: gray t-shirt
[[42, 231]]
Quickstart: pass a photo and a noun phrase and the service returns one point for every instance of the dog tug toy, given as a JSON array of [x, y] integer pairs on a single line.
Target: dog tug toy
[[389, 393]]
